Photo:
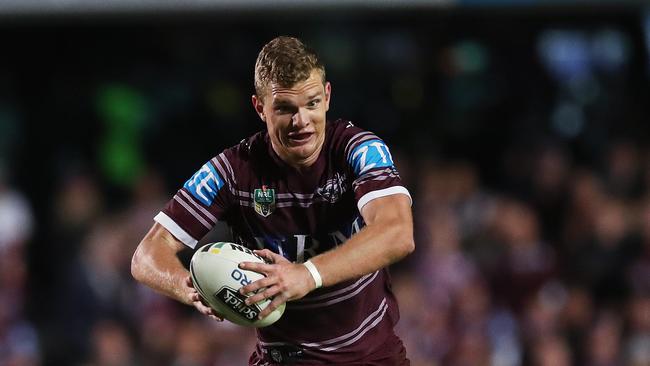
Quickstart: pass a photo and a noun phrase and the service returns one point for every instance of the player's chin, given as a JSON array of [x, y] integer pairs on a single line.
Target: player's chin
[[301, 156], [301, 151]]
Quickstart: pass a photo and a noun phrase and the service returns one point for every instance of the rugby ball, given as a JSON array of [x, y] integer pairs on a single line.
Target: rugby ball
[[217, 277]]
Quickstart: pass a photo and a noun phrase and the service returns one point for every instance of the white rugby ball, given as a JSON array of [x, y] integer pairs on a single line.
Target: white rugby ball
[[217, 277]]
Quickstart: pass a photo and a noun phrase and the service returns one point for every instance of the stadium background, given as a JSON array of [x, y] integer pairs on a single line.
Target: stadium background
[[520, 128]]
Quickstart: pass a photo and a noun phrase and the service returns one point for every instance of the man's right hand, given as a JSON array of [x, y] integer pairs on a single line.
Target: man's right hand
[[156, 264], [198, 302]]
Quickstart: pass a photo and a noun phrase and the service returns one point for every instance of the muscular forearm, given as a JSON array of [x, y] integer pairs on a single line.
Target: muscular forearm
[[155, 264], [166, 277], [381, 243]]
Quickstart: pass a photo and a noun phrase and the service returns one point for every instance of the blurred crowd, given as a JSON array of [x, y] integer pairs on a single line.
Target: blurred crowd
[[557, 274]]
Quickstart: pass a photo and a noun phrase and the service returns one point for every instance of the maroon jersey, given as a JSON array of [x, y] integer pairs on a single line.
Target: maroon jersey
[[269, 204]]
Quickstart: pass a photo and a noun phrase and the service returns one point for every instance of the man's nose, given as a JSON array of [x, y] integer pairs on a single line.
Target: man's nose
[[301, 117]]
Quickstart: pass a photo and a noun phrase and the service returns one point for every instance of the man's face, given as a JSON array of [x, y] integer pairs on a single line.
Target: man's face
[[295, 118]]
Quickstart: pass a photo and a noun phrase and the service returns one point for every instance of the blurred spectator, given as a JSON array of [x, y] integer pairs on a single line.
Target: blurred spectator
[[158, 323], [638, 274], [95, 286], [586, 192], [624, 175], [15, 217], [527, 261], [602, 260], [77, 204], [424, 325], [111, 345], [192, 347], [604, 341], [19, 342], [550, 178], [576, 316], [551, 351], [637, 346], [637, 343], [444, 268]]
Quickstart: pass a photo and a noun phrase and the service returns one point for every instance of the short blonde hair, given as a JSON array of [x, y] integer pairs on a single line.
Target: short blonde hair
[[285, 61]]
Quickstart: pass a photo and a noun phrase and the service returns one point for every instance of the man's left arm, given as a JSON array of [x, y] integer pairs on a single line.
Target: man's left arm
[[386, 238]]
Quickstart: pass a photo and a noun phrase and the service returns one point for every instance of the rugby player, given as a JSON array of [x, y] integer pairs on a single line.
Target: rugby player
[[321, 200]]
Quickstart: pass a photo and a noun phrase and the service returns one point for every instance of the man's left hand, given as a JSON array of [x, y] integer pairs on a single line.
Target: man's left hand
[[284, 281]]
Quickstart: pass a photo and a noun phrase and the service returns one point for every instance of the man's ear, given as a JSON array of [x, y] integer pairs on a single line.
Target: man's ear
[[259, 107], [328, 95]]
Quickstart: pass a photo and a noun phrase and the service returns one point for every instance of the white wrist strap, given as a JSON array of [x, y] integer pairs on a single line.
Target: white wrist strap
[[314, 273]]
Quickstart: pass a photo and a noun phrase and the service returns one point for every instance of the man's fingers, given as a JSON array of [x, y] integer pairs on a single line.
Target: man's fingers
[[214, 317], [254, 286], [266, 294], [257, 267], [206, 310], [264, 253], [271, 256], [277, 301]]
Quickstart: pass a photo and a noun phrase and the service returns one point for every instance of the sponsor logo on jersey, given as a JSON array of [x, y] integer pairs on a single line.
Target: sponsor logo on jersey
[[333, 189], [301, 247], [370, 155], [204, 184], [264, 201]]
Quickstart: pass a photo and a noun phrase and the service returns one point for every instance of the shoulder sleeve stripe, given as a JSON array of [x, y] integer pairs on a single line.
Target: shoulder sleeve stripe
[[360, 141], [373, 173], [193, 202], [382, 193], [229, 167], [358, 184], [225, 176], [175, 230], [377, 175], [353, 140], [243, 194], [192, 212]]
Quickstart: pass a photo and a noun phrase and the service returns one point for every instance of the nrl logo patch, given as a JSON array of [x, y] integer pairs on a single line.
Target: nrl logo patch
[[264, 201]]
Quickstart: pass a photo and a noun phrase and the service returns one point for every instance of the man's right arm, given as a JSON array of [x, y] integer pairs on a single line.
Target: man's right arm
[[156, 264]]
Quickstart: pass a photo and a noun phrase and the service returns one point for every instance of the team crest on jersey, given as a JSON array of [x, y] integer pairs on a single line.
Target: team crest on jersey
[[333, 189], [264, 201]]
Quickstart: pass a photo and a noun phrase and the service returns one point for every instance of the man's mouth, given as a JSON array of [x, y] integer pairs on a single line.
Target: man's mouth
[[299, 138]]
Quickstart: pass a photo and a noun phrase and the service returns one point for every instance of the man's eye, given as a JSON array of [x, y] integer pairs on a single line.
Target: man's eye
[[313, 103]]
